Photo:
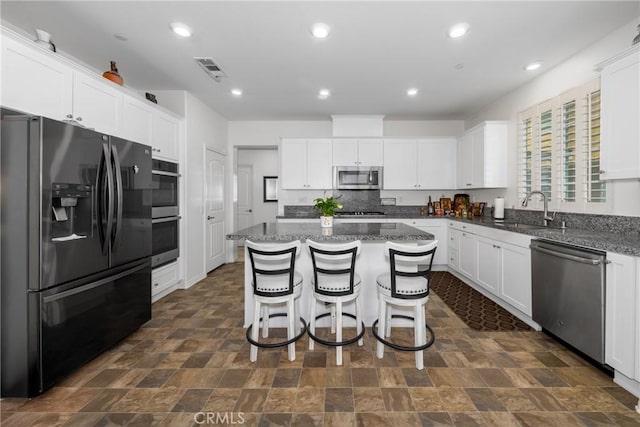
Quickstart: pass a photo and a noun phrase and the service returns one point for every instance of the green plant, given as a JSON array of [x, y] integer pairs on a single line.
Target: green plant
[[327, 206]]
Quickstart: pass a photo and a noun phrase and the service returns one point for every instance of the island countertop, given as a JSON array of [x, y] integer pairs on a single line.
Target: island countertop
[[353, 231]]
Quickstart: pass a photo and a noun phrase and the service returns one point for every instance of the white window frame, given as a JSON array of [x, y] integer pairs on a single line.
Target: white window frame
[[580, 96]]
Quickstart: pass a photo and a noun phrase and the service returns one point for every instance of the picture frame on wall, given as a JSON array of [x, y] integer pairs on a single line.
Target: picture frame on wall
[[270, 189]]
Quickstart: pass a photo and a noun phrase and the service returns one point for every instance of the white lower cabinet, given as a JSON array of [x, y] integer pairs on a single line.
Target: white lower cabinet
[[515, 282], [163, 280], [622, 323], [489, 264], [467, 252], [437, 227], [495, 261]]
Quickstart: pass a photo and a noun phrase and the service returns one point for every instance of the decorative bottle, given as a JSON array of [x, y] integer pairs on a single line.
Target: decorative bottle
[[430, 210]]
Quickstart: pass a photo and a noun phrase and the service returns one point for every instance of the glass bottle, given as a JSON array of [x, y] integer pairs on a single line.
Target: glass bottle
[[430, 210]]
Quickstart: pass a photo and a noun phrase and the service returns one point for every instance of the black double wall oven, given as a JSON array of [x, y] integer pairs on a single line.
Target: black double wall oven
[[165, 212]]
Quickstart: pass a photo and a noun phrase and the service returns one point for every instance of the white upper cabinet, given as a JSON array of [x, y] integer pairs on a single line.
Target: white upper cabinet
[[37, 81], [421, 164], [436, 163], [97, 104], [34, 82], [482, 156], [357, 152], [306, 164], [165, 135], [400, 164], [139, 117], [619, 112]]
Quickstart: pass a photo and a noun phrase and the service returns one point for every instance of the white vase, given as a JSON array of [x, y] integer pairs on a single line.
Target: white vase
[[326, 221]]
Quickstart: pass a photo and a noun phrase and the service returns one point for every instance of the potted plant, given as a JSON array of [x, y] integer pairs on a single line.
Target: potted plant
[[327, 207]]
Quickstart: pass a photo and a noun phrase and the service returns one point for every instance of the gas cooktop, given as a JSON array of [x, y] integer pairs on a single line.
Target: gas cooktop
[[360, 213]]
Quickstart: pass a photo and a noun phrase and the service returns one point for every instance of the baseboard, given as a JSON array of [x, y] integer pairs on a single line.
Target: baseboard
[[631, 385], [190, 282]]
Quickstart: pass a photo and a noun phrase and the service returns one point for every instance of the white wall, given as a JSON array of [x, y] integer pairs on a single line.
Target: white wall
[[264, 162], [575, 71], [260, 133], [203, 128]]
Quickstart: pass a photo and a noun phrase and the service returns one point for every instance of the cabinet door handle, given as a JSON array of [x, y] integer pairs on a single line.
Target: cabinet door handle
[[464, 226], [79, 119], [155, 284], [601, 172], [464, 234], [469, 184], [211, 217], [69, 116]]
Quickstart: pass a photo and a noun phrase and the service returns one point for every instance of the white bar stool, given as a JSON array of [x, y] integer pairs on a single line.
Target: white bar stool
[[335, 282], [406, 285], [275, 281]]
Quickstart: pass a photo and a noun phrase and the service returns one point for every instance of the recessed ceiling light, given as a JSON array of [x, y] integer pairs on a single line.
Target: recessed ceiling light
[[533, 66], [180, 29], [324, 93], [236, 92], [320, 30], [458, 30], [412, 91]]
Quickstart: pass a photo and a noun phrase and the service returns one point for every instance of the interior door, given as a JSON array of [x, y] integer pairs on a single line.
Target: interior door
[[244, 211], [215, 209]]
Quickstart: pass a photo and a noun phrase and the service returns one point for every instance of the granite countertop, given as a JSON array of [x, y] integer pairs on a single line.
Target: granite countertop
[[627, 244], [353, 231], [622, 243]]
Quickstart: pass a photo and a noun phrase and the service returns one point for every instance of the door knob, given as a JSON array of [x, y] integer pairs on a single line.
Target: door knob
[[211, 217], [249, 210]]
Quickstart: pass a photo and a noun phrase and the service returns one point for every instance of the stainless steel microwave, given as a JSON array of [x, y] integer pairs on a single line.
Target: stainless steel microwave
[[357, 177]]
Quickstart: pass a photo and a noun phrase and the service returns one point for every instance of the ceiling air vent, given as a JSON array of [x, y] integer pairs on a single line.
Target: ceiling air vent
[[210, 68]]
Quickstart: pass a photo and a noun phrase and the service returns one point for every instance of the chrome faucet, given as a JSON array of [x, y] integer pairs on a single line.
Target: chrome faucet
[[546, 216]]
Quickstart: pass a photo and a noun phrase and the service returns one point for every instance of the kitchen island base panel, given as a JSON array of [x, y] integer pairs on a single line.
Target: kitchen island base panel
[[371, 263]]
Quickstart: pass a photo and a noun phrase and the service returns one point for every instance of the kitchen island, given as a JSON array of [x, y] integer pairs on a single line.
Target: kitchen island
[[369, 265]]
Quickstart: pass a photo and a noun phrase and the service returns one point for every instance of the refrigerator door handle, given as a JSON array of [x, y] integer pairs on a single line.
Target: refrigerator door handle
[[108, 195], [119, 192]]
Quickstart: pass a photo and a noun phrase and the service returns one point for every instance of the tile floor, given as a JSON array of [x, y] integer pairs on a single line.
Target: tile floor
[[191, 362]]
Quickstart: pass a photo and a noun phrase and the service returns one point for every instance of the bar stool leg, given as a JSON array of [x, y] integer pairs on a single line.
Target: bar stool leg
[[359, 320], [312, 322], [387, 332], [382, 319], [296, 306], [253, 353], [339, 331], [265, 321], [333, 319], [420, 333], [291, 328]]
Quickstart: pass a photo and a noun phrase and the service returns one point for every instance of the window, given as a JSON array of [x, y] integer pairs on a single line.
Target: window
[[568, 152], [559, 151], [596, 189]]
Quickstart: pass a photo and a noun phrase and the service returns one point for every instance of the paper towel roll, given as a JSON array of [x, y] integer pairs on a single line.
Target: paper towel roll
[[498, 208]]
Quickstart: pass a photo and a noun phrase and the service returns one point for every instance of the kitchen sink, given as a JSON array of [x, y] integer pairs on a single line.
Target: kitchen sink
[[520, 226]]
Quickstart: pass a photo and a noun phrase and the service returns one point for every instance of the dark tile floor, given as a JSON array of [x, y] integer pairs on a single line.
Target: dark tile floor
[[192, 360]]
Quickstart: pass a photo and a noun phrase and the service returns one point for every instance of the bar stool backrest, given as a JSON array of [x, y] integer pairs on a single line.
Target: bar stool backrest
[[410, 269], [273, 267], [334, 266]]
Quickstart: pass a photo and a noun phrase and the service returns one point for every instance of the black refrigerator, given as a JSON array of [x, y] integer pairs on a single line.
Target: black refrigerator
[[75, 247]]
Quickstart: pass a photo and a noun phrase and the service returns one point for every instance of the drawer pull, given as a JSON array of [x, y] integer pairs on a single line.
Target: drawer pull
[[155, 284]]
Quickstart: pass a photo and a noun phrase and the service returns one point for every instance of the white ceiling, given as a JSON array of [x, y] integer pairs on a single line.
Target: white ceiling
[[376, 50]]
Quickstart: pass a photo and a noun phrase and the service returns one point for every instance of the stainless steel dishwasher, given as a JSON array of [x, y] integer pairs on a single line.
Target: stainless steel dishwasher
[[568, 291]]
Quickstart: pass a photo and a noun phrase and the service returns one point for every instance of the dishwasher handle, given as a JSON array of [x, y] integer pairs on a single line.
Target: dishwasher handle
[[567, 256]]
